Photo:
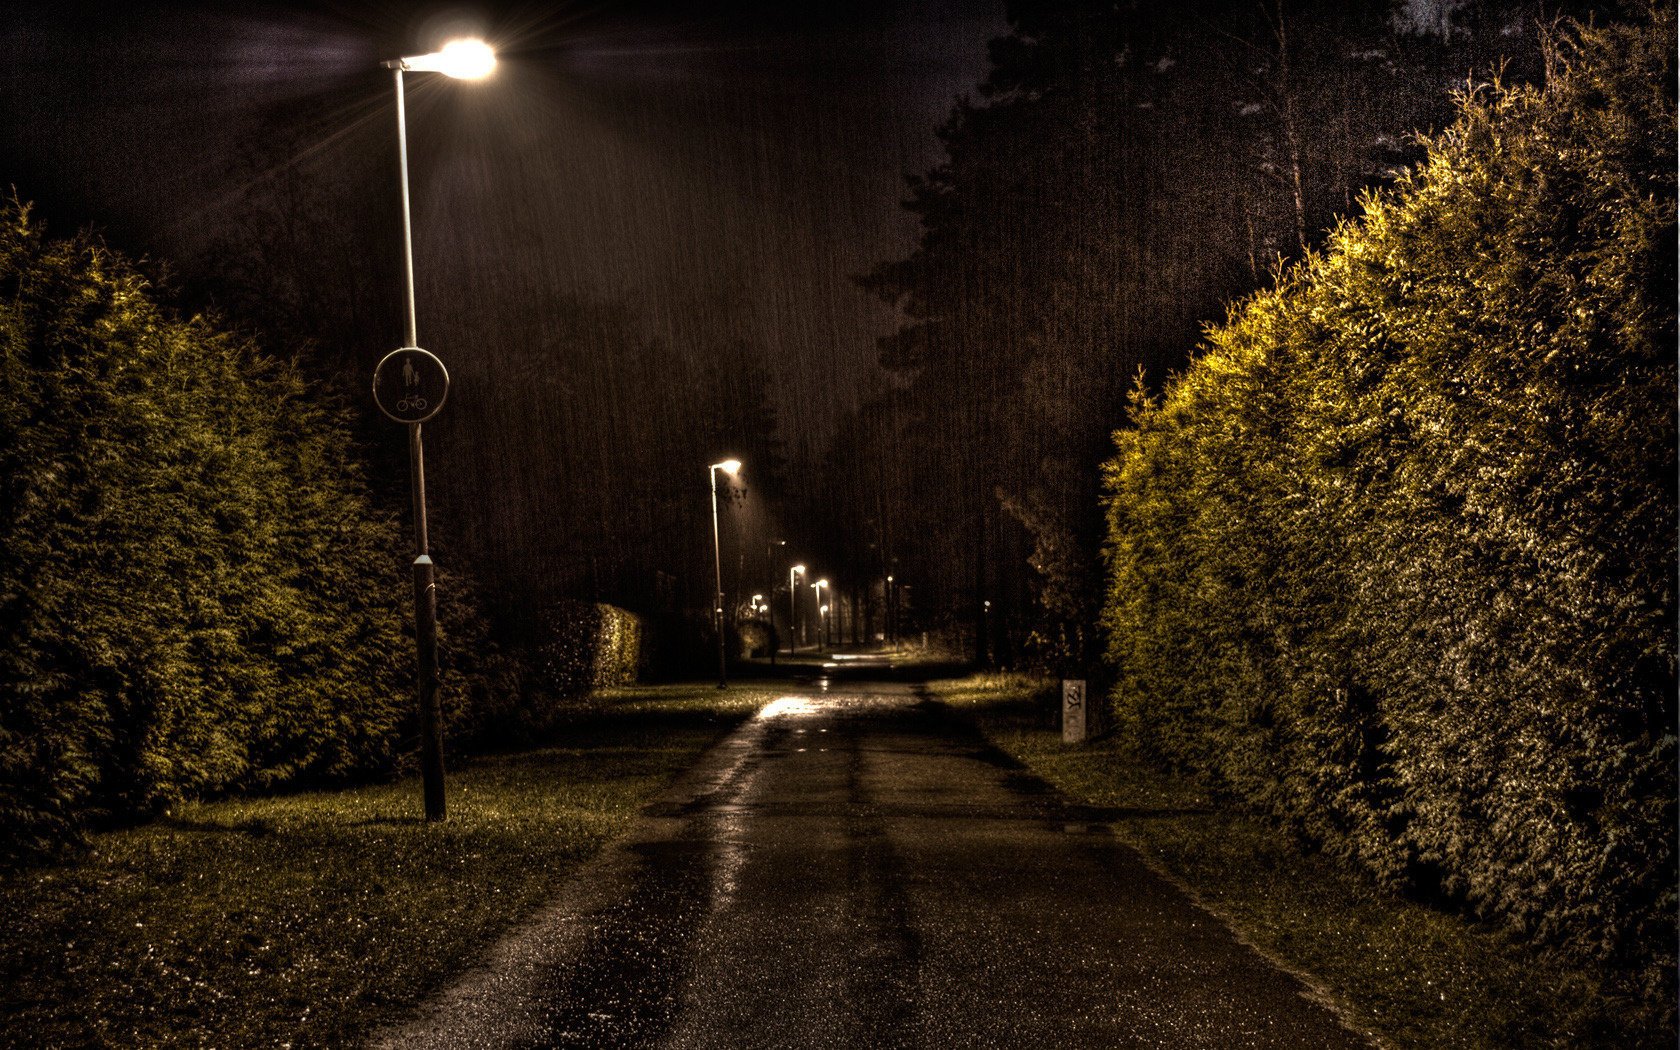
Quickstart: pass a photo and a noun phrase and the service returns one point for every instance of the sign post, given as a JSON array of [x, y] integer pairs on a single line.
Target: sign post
[[1073, 711], [409, 386]]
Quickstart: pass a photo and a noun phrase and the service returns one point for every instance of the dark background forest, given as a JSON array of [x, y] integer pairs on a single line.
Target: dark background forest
[[1120, 174]]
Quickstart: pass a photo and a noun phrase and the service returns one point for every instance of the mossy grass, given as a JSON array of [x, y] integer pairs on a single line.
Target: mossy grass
[[1412, 974], [307, 919]]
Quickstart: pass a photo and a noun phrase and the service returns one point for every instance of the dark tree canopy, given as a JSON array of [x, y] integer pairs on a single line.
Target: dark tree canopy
[[1127, 169]]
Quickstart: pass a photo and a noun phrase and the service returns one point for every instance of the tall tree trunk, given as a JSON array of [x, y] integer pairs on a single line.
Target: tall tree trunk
[[1291, 132], [981, 657]]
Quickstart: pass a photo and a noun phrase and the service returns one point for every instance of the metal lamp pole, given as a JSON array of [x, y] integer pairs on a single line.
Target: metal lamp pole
[[468, 60], [769, 611], [822, 616], [730, 467], [794, 572], [892, 614]]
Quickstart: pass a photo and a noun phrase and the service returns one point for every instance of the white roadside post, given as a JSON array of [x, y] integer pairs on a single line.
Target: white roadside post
[[1073, 711]]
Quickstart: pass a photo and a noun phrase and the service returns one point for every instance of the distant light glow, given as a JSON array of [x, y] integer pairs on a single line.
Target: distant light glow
[[799, 569], [461, 59], [728, 466], [787, 705]]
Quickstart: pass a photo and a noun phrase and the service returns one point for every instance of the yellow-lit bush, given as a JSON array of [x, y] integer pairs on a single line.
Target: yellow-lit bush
[[1394, 559], [588, 645], [196, 593]]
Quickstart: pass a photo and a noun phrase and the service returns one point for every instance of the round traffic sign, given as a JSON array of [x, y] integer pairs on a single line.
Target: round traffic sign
[[409, 385]]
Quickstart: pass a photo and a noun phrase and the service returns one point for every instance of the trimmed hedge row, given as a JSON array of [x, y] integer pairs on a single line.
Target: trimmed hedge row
[[197, 593], [1394, 559], [588, 645]]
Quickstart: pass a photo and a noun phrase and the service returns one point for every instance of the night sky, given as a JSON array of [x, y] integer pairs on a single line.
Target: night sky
[[720, 170]]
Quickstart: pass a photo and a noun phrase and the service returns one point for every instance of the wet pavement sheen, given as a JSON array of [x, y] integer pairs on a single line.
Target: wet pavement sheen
[[855, 867]]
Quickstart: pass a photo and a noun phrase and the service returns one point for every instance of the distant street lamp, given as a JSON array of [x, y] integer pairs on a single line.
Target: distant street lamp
[[769, 613], [822, 611], [892, 614], [794, 572], [730, 467], [464, 60]]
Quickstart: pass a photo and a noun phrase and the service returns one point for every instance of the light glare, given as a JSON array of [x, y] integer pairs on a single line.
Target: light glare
[[461, 59]]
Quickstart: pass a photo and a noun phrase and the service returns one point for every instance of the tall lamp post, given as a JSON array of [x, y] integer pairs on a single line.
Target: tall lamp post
[[423, 384], [769, 612], [794, 572], [892, 614], [822, 615], [730, 467]]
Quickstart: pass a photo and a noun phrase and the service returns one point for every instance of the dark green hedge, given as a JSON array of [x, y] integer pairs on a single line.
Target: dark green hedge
[[196, 592], [1394, 560], [587, 645]]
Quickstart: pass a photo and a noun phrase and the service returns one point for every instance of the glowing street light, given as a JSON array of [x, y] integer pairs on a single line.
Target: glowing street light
[[730, 467], [461, 59], [467, 60]]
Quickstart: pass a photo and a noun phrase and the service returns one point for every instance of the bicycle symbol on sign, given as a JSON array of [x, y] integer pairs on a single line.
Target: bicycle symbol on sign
[[411, 379]]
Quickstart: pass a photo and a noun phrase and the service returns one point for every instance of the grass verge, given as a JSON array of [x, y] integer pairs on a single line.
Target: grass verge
[[308, 919], [1415, 975]]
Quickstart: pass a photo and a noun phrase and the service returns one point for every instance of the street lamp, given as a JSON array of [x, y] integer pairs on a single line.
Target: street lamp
[[464, 60], [730, 467], [822, 610], [892, 614], [770, 613], [794, 572]]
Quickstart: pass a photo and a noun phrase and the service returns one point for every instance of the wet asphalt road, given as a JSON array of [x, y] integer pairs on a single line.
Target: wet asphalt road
[[856, 868]]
